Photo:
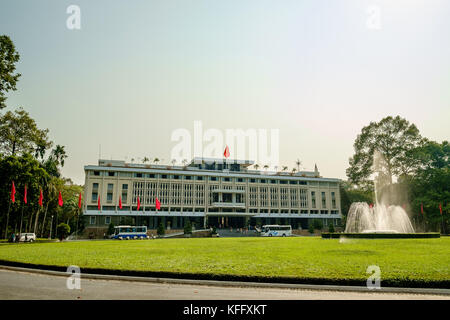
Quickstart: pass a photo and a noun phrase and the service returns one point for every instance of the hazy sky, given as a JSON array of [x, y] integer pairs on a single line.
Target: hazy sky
[[137, 70]]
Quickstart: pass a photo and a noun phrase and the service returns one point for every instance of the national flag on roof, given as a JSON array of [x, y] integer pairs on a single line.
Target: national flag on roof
[[98, 203], [138, 203], [226, 153], [120, 202], [157, 204]]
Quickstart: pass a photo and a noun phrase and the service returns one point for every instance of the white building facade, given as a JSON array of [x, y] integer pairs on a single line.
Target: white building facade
[[208, 192]]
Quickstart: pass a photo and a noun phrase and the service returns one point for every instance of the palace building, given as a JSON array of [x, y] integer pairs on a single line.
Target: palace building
[[208, 192]]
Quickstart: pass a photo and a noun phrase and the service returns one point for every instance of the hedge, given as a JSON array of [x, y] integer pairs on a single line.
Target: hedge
[[327, 235]]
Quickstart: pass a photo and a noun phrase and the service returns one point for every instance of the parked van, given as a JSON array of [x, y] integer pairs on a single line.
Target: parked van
[[27, 237]]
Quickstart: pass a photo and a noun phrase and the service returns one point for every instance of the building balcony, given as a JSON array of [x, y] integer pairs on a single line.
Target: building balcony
[[227, 191], [239, 205]]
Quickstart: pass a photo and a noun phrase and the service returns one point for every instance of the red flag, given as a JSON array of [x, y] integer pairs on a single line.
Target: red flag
[[41, 197], [139, 204], [79, 201], [157, 204], [13, 193], [60, 200], [120, 202], [371, 205], [98, 203], [25, 195], [421, 208], [226, 153], [440, 208]]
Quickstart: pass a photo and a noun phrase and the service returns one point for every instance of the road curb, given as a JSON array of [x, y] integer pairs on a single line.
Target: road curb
[[241, 284]]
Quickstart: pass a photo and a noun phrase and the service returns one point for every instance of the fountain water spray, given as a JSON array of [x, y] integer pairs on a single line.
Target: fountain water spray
[[381, 218]]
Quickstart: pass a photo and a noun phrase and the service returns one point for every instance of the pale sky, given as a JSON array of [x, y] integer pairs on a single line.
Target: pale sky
[[137, 70]]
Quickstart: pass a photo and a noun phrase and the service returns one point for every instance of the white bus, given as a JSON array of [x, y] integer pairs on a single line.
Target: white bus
[[130, 232], [276, 230]]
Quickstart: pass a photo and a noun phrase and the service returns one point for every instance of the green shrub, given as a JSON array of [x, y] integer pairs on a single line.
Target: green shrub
[[111, 229], [160, 231], [63, 230], [311, 228], [331, 228], [187, 227], [214, 230]]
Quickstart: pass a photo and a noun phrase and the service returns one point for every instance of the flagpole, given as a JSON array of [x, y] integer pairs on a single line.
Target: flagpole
[[78, 219]]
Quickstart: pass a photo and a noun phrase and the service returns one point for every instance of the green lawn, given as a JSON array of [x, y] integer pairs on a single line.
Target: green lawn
[[421, 262]]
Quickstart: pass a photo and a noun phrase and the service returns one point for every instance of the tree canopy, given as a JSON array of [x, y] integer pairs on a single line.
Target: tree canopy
[[395, 139], [20, 134], [8, 59]]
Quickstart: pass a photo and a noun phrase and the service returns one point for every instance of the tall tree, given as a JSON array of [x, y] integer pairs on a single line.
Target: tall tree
[[23, 170], [394, 139], [8, 59], [19, 134]]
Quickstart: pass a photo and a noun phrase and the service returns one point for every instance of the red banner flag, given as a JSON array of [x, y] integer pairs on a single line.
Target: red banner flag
[[13, 193], [371, 205], [139, 204], [157, 204], [41, 197], [421, 208], [25, 195], [226, 153], [98, 203], [120, 202], [440, 208], [60, 200], [79, 201]]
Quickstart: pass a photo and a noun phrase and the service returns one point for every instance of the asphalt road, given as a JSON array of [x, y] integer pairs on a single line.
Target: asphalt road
[[24, 285]]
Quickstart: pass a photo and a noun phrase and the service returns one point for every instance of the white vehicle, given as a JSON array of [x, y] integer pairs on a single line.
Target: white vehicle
[[130, 232], [27, 237], [276, 230]]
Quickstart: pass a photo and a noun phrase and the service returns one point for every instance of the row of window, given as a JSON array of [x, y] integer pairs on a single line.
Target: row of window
[[194, 194], [211, 178]]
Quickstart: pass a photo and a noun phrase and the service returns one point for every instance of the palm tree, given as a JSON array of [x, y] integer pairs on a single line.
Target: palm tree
[[156, 160], [173, 162], [184, 162], [284, 168], [293, 170], [132, 160], [59, 155], [145, 160], [256, 166], [266, 167]]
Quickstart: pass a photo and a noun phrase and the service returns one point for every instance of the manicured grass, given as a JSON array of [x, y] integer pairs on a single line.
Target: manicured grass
[[418, 262]]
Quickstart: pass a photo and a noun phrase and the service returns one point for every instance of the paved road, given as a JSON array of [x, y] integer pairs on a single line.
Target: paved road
[[24, 285]]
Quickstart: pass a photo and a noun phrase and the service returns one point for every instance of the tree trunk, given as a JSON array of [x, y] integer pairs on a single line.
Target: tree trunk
[[30, 222], [36, 220], [43, 222]]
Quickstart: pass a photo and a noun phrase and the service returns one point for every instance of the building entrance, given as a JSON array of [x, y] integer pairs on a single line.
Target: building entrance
[[222, 222]]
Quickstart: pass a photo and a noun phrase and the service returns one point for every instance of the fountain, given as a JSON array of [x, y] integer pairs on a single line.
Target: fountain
[[379, 219]]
